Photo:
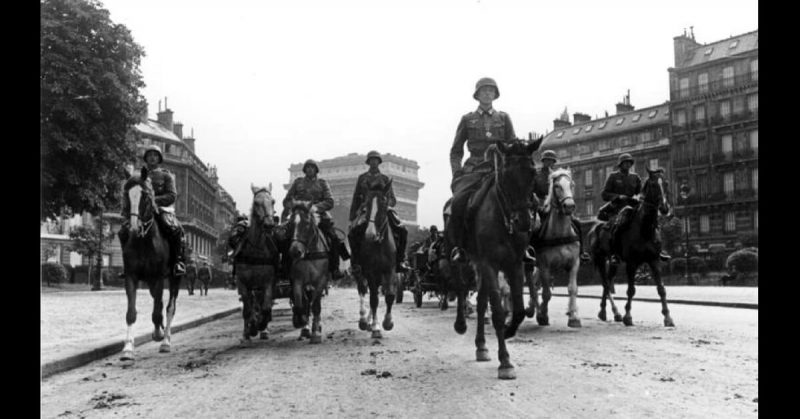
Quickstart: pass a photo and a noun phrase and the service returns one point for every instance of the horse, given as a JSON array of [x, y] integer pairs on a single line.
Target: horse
[[146, 257], [557, 247], [204, 275], [255, 262], [377, 257], [638, 247], [497, 237], [309, 270], [191, 277]]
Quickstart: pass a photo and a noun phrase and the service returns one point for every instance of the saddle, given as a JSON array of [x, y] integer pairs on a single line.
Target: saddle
[[476, 198]]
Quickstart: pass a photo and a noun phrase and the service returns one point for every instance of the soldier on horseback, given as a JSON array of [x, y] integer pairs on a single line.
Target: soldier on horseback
[[542, 188], [478, 129], [620, 192], [314, 189], [163, 182], [373, 176]]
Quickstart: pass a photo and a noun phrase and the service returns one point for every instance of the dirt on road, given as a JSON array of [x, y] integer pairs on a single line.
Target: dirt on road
[[706, 367]]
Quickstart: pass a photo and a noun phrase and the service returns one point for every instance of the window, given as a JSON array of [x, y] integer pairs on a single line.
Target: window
[[708, 51], [755, 219], [589, 207], [560, 134], [576, 130], [727, 76], [754, 70], [725, 108], [646, 136], [754, 140], [686, 228], [652, 113], [602, 125], [702, 83], [727, 184], [701, 185], [752, 102], [684, 87], [620, 121], [588, 128], [701, 148], [705, 223], [700, 113], [754, 178], [588, 179], [653, 164], [734, 44], [637, 118], [680, 117], [603, 145], [730, 222], [727, 144]]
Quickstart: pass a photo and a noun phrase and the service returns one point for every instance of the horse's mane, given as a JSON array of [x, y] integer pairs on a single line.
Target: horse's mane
[[553, 175]]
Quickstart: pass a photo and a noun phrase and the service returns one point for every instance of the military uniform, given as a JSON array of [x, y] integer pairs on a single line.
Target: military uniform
[[318, 192], [371, 180], [163, 182], [478, 130]]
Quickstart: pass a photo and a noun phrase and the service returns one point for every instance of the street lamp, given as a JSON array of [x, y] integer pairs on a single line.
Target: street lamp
[[686, 191]]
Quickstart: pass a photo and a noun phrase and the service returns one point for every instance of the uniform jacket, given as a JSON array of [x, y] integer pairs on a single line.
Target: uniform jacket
[[619, 183], [478, 130], [315, 190], [163, 182], [365, 180], [541, 183]]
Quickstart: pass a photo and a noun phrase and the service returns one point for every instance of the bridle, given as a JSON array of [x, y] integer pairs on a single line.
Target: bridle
[[511, 213], [560, 199]]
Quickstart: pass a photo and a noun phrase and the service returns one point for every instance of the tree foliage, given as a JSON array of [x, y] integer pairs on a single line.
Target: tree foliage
[[90, 99], [671, 233], [88, 240]]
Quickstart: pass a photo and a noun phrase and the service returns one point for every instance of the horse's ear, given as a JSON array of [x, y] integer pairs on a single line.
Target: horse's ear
[[270, 188], [534, 144]]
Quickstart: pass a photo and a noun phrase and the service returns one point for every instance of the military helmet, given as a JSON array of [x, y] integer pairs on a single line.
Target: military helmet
[[549, 154], [486, 81], [434, 229], [623, 158], [310, 162], [375, 154], [155, 148]]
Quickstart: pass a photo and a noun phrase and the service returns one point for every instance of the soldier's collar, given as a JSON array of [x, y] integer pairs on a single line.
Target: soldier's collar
[[377, 170], [490, 111]]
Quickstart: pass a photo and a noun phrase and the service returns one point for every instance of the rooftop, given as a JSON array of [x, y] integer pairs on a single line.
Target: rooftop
[[608, 126]]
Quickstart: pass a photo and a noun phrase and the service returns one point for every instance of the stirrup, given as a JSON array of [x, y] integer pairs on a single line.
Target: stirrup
[[529, 256], [179, 269], [585, 256], [664, 257], [614, 260], [456, 254], [402, 267]]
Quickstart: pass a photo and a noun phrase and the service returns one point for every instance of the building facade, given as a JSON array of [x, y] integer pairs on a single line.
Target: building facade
[[714, 107], [590, 148], [342, 173]]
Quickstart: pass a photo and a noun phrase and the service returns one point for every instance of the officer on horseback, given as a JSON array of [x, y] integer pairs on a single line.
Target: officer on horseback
[[478, 130], [541, 188], [620, 192], [314, 189], [373, 176], [163, 182]]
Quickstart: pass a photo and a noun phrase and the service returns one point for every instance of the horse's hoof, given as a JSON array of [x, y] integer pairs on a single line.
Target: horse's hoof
[[574, 323], [543, 320], [668, 322], [388, 325], [363, 325], [627, 321], [157, 337], [461, 327], [376, 334], [506, 373], [126, 356], [443, 305], [316, 339], [305, 333], [601, 315], [530, 312], [264, 336], [618, 317], [297, 321], [165, 347], [482, 355]]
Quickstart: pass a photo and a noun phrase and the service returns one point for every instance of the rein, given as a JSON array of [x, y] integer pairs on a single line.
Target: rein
[[502, 199]]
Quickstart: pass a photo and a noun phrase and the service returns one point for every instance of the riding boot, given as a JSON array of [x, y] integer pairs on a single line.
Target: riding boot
[[355, 263], [663, 255], [400, 258], [577, 225], [180, 250]]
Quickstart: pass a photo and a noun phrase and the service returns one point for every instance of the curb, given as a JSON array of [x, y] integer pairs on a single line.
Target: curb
[[108, 349], [688, 302]]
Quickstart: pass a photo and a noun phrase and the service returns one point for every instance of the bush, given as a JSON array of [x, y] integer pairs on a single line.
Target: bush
[[744, 261], [54, 273]]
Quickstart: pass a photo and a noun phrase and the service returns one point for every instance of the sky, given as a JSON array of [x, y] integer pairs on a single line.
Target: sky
[[266, 84]]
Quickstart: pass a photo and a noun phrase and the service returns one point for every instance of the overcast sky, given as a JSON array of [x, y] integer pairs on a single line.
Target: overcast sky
[[265, 84]]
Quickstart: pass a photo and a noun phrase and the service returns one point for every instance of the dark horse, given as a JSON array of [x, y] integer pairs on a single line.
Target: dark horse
[[497, 237], [145, 255], [638, 246], [255, 262], [309, 270], [377, 257]]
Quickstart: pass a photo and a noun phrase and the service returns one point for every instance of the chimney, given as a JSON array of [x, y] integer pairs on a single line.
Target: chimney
[[625, 105], [682, 45], [560, 123], [189, 141], [165, 116], [178, 129], [579, 118]]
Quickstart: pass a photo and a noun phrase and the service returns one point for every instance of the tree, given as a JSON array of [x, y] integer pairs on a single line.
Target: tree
[[671, 233], [89, 241], [90, 81]]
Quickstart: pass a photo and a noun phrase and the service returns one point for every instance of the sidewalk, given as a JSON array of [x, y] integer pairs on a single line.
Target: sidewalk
[[735, 297]]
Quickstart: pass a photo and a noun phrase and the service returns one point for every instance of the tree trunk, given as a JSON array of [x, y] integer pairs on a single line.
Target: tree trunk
[[97, 278]]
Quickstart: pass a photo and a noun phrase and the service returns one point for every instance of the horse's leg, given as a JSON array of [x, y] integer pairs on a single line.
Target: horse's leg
[[131, 284], [533, 295], [157, 292], [481, 351], [515, 282], [174, 288], [374, 300], [266, 303], [630, 269], [247, 305], [388, 324], [460, 324], [544, 276], [506, 370], [600, 266], [662, 293], [298, 307], [363, 323], [612, 272], [316, 309], [572, 288]]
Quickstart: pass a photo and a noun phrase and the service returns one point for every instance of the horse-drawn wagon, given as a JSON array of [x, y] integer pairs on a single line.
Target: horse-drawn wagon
[[425, 277]]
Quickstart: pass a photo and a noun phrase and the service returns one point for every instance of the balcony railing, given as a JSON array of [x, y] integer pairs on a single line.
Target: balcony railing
[[715, 86]]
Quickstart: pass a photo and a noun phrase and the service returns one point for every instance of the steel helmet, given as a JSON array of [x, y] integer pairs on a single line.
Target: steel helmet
[[434, 229], [549, 154], [155, 148], [310, 162], [623, 158], [486, 81], [374, 154]]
